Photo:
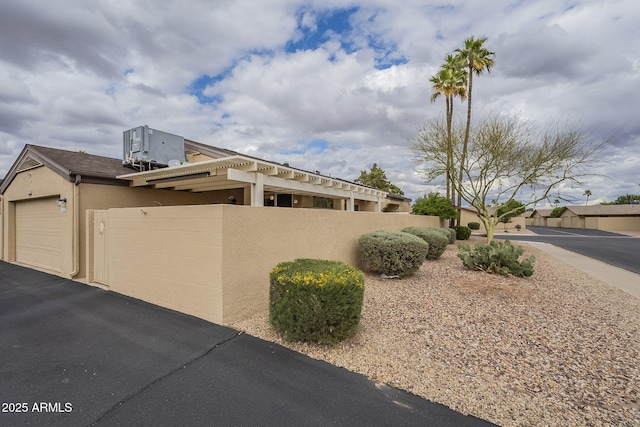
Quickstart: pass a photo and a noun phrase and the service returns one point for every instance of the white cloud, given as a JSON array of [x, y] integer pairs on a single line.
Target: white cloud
[[75, 74]]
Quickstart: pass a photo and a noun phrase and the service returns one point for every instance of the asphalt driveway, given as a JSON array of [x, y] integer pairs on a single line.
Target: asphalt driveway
[[612, 248], [74, 355]]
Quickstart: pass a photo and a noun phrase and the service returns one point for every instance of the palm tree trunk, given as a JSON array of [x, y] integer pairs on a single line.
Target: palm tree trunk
[[467, 131], [448, 167]]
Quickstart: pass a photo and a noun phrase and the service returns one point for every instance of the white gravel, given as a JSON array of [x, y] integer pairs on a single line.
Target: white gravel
[[557, 349]]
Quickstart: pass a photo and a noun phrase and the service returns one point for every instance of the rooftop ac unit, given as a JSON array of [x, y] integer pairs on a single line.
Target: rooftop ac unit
[[145, 148]]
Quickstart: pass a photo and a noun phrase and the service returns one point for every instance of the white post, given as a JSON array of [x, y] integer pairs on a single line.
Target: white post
[[257, 191]]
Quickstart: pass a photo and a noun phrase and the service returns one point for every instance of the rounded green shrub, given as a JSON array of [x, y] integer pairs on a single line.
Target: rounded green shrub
[[474, 225], [434, 237], [463, 232], [450, 233], [393, 253], [315, 300]]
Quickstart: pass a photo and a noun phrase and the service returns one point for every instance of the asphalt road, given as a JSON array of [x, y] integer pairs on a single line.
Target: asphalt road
[[612, 248], [74, 355]]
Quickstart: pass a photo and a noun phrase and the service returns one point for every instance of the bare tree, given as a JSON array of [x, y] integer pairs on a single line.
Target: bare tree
[[506, 158]]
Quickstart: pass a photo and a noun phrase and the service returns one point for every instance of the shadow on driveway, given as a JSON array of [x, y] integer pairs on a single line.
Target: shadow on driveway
[[74, 355]]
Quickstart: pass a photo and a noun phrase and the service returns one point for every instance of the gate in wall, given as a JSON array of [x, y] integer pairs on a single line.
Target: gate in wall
[[100, 246]]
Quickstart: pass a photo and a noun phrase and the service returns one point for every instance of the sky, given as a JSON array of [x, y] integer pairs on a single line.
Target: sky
[[326, 85]]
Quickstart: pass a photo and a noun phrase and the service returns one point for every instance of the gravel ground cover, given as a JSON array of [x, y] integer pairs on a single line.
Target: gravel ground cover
[[559, 348]]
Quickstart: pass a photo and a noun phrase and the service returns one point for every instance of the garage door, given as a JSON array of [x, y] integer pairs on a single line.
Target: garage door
[[39, 234]]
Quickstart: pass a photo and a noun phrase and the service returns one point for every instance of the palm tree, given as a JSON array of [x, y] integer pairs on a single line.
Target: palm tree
[[477, 59], [587, 193], [451, 82]]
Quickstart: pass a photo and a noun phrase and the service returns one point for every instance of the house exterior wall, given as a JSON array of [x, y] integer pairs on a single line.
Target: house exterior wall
[[1, 228], [538, 220], [570, 220], [553, 222], [213, 261], [42, 183], [33, 184], [631, 223]]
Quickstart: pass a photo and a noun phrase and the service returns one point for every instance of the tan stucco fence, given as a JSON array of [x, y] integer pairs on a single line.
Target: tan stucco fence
[[595, 223], [213, 261]]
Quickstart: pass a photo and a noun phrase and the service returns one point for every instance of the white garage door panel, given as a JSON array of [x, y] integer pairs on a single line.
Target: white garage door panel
[[39, 234]]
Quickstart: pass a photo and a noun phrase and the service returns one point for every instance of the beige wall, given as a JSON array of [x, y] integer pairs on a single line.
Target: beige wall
[[1, 228], [613, 223], [571, 220], [553, 222], [213, 261], [256, 239], [41, 182], [168, 256], [94, 196]]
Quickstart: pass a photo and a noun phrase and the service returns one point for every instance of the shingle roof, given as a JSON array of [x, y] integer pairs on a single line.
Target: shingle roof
[[604, 210], [545, 213], [78, 163], [70, 164]]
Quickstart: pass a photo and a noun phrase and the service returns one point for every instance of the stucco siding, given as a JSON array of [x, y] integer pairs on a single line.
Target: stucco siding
[[614, 223], [168, 256]]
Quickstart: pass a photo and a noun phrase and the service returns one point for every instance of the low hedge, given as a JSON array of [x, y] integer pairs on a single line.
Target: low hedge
[[315, 300], [393, 253], [463, 232], [434, 237], [474, 225]]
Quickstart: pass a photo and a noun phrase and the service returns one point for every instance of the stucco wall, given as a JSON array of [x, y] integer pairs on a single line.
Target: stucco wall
[[1, 228], [213, 261], [168, 256], [256, 239], [613, 223], [553, 222], [94, 196]]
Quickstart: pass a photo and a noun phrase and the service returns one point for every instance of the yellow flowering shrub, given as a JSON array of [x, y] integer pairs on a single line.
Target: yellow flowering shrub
[[315, 300]]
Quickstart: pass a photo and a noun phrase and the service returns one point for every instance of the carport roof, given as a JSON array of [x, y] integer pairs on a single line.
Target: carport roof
[[239, 170]]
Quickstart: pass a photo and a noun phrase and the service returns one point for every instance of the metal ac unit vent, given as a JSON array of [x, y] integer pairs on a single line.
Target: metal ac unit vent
[[145, 148]]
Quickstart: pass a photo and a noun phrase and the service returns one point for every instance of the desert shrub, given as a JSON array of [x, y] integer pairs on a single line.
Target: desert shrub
[[315, 300], [462, 232], [434, 237], [496, 257], [474, 225], [393, 253], [450, 233]]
